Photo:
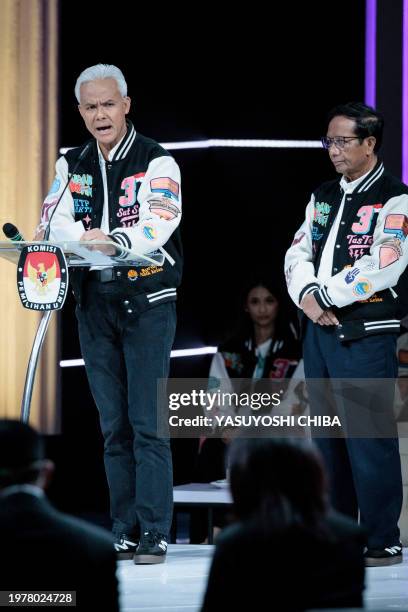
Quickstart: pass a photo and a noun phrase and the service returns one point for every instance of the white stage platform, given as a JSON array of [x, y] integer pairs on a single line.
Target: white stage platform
[[178, 585]]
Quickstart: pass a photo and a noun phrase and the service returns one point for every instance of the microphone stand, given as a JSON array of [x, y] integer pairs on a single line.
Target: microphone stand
[[81, 156], [45, 318], [32, 365]]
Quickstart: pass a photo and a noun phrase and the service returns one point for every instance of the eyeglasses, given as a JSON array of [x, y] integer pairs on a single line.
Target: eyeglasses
[[339, 141]]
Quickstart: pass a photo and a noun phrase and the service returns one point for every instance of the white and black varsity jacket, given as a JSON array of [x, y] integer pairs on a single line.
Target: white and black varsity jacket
[[143, 183], [370, 253]]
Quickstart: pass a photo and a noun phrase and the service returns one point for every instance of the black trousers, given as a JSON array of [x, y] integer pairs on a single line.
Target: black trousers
[[364, 470], [125, 354]]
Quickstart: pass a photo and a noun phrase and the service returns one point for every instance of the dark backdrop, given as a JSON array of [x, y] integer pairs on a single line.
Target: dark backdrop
[[192, 74]]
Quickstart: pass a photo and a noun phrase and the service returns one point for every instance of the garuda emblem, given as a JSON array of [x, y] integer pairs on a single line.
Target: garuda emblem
[[42, 276]]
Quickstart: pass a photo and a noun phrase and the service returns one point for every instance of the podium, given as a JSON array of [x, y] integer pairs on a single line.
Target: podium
[[93, 254]]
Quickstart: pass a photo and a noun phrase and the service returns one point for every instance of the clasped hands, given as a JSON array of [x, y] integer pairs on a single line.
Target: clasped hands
[[311, 308]]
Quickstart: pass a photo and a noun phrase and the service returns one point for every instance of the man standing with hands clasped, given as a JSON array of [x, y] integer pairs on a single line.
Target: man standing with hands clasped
[[125, 189], [340, 270]]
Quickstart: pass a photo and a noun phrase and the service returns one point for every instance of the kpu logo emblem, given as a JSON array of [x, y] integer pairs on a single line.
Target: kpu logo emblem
[[42, 277]]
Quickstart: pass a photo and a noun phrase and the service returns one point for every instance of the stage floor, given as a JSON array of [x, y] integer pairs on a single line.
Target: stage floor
[[178, 585]]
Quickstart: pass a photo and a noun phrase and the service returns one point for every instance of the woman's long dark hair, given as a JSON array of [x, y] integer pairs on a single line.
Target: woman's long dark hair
[[245, 326], [277, 483]]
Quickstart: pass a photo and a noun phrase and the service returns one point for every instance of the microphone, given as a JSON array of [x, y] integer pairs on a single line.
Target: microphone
[[81, 156], [12, 233]]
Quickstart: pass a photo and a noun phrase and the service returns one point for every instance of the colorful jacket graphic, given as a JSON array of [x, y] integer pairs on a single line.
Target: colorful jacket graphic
[[144, 197], [370, 253]]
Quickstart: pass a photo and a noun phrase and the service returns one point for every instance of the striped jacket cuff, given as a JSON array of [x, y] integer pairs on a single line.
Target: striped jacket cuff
[[323, 298], [164, 294], [310, 288], [122, 239]]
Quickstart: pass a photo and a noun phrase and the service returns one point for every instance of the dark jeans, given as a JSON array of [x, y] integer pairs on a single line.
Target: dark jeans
[[364, 471], [125, 353]]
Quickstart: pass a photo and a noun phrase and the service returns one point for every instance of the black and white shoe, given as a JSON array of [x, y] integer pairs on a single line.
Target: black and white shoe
[[385, 556], [152, 548], [125, 547]]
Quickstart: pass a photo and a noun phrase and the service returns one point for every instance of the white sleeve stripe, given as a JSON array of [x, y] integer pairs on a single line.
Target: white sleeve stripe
[[310, 290], [162, 297], [118, 239], [149, 295], [124, 239], [382, 326], [384, 321], [324, 297]]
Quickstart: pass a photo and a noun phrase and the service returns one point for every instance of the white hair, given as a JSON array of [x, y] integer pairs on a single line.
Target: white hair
[[101, 71]]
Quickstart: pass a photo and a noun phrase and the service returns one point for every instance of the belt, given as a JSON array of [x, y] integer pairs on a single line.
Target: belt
[[106, 275]]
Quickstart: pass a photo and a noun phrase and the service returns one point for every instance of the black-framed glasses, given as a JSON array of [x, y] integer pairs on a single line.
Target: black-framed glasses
[[339, 141]]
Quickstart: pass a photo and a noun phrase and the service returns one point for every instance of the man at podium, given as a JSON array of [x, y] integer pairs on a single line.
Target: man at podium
[[124, 187]]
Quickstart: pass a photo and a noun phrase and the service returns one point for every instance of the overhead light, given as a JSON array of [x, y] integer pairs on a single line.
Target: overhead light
[[202, 350], [231, 142]]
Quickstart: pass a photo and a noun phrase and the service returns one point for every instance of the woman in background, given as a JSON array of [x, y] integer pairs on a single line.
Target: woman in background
[[265, 346], [263, 351]]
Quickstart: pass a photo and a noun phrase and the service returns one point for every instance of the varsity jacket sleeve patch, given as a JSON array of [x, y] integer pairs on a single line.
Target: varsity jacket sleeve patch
[[299, 268], [378, 270], [63, 226], [159, 199]]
